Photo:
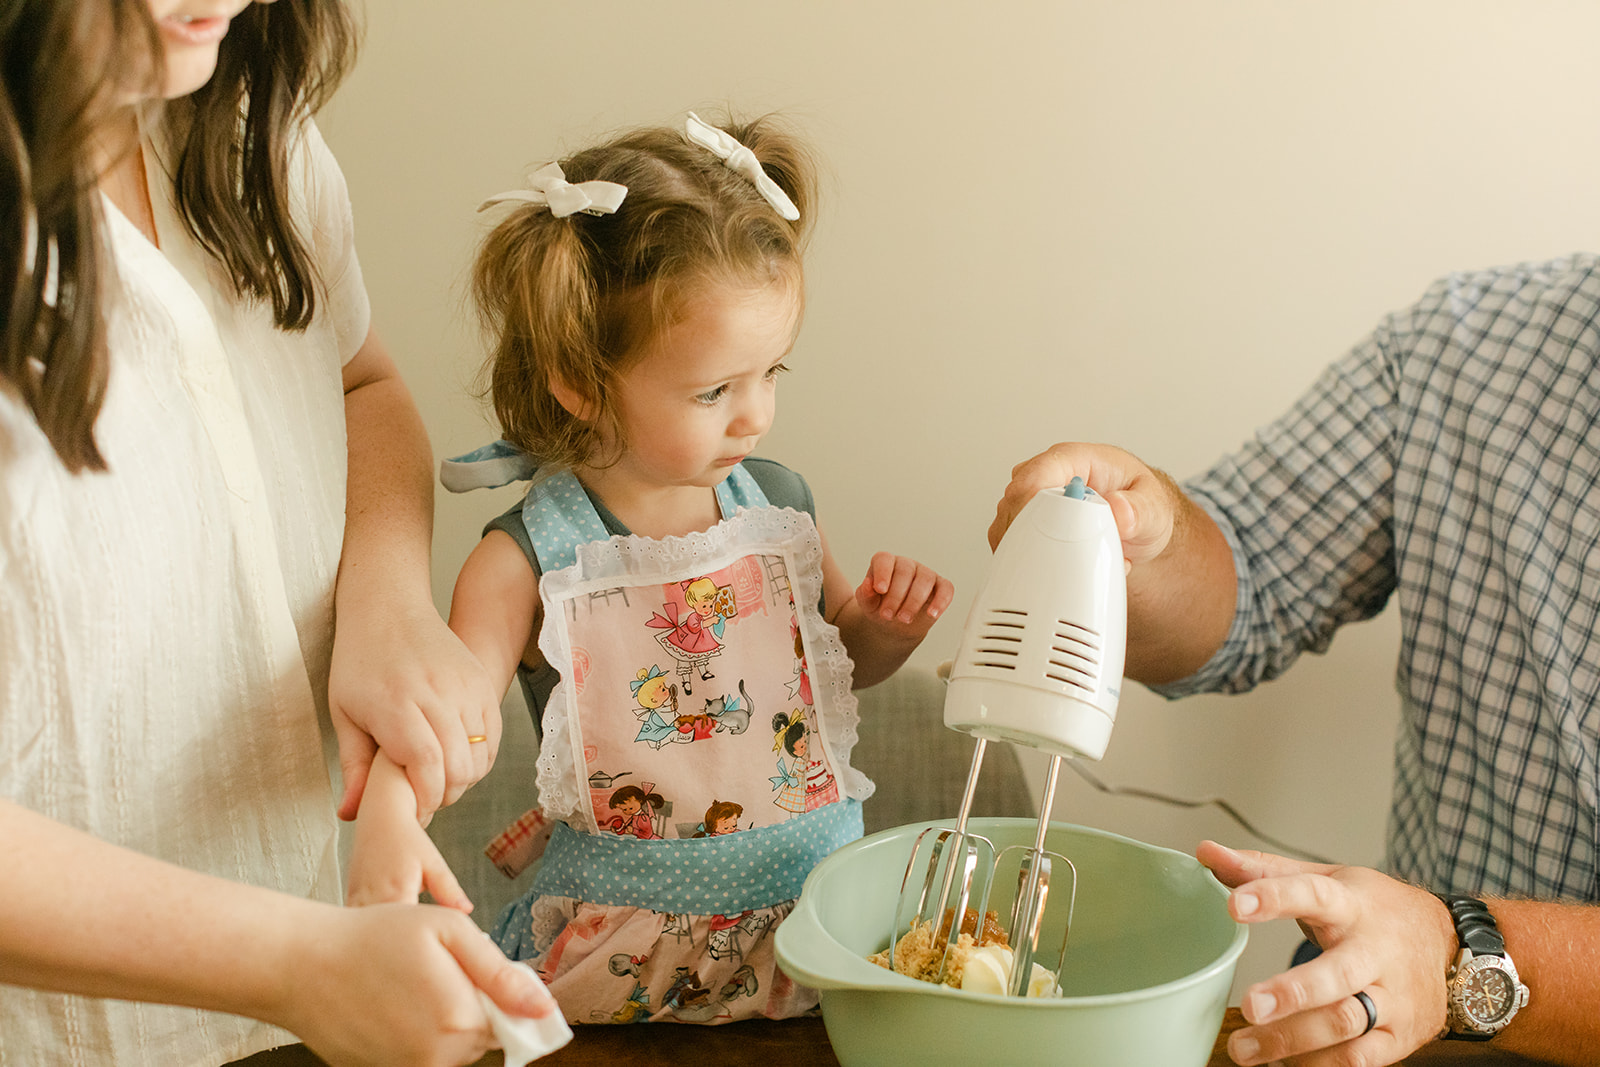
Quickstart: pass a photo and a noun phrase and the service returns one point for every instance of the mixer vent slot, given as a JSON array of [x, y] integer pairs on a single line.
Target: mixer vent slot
[[1070, 674], [1074, 659], [1078, 641], [1076, 655], [1000, 638], [1073, 631]]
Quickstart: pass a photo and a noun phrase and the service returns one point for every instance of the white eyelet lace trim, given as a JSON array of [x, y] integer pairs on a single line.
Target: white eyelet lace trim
[[633, 560]]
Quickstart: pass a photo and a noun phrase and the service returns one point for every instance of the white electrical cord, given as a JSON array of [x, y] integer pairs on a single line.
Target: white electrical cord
[[1182, 802]]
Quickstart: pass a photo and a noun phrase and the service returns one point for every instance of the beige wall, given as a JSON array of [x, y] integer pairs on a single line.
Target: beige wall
[[1142, 221]]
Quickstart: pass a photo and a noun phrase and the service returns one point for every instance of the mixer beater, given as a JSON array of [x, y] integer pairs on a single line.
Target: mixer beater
[[1040, 665]]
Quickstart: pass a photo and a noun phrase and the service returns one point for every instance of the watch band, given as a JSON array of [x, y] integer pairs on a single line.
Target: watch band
[[1475, 930], [1475, 927]]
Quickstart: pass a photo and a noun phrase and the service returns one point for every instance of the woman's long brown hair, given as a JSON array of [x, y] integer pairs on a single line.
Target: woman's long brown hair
[[63, 66], [279, 63], [66, 67]]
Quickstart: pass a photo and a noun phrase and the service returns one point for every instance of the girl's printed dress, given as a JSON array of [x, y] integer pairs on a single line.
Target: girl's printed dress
[[632, 917]]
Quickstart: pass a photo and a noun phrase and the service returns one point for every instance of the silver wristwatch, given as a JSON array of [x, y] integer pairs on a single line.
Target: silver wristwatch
[[1482, 990]]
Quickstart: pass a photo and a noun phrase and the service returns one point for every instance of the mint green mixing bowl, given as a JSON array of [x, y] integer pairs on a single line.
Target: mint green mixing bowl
[[1146, 976]]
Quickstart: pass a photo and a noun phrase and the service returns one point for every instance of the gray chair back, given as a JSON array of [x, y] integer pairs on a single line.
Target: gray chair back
[[920, 766]]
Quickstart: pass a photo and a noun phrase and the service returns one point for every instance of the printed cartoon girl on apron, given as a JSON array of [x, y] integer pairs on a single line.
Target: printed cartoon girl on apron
[[694, 639]]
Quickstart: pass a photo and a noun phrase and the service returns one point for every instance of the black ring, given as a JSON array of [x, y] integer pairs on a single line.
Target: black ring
[[1372, 1011]]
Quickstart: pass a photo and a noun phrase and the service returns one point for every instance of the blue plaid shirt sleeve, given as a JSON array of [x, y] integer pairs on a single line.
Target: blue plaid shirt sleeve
[[1451, 461], [1307, 507]]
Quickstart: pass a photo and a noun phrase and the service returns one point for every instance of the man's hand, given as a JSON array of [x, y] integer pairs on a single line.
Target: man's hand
[[1144, 502], [1386, 938]]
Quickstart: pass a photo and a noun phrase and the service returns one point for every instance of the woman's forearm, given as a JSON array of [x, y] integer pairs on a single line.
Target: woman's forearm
[[83, 916], [389, 490]]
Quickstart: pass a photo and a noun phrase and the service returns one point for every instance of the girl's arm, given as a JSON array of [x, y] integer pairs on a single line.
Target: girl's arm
[[495, 610], [359, 986], [885, 618], [400, 678], [392, 859]]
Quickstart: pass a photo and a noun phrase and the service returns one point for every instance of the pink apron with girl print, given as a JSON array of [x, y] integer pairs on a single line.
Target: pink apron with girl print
[[695, 753]]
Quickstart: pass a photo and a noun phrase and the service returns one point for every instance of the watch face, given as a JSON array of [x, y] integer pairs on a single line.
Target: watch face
[[1488, 996]]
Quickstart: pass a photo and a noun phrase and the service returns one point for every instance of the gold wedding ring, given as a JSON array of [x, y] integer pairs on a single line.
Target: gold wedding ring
[[473, 739]]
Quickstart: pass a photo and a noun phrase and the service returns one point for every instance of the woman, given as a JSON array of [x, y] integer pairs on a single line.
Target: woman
[[186, 341]]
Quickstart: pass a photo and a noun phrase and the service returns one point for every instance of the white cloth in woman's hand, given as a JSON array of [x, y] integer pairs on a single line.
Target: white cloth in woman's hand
[[525, 1039]]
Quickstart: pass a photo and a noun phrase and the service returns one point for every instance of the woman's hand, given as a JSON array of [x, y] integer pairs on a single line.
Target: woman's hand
[[1386, 938], [396, 984], [403, 681], [400, 678]]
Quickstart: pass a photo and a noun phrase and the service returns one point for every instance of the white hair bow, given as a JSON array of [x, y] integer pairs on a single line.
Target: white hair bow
[[549, 187], [737, 157]]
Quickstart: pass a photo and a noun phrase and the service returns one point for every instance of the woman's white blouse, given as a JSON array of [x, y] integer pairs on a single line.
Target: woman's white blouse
[[166, 627]]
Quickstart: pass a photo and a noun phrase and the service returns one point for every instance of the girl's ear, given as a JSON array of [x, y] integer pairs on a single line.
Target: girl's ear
[[575, 403]]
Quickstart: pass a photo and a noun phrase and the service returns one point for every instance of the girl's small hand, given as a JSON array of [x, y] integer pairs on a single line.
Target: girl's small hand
[[902, 594], [392, 859]]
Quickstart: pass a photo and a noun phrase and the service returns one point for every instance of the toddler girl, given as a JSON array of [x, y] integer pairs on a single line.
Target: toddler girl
[[651, 588]]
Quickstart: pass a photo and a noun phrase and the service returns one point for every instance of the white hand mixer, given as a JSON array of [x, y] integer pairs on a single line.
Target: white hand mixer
[[1040, 665]]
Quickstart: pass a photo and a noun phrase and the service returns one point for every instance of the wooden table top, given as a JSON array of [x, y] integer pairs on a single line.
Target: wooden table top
[[759, 1044]]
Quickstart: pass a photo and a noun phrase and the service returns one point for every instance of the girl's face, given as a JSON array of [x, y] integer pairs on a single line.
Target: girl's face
[[800, 746], [190, 32], [725, 825], [629, 807], [703, 393], [653, 693]]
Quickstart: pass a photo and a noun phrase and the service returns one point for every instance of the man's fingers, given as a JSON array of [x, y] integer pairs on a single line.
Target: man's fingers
[[1328, 906], [1103, 468], [1336, 1025], [1235, 866]]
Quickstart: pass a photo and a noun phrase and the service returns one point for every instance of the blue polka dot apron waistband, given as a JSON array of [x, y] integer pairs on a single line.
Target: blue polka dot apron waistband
[[721, 875]]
